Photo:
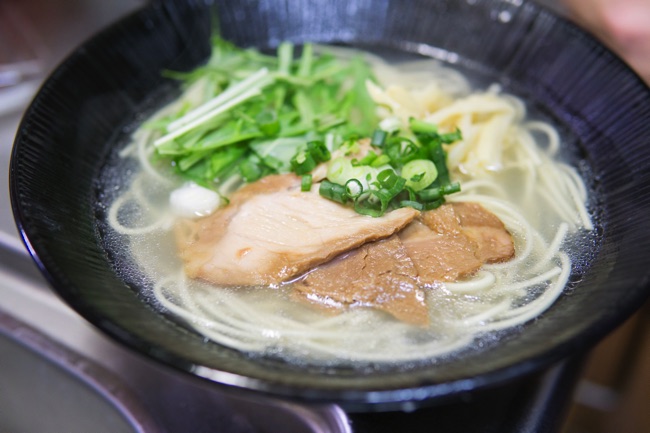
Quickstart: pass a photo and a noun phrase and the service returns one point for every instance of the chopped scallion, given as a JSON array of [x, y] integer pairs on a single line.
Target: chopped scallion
[[333, 191], [378, 138], [303, 162], [306, 182], [419, 173], [353, 188]]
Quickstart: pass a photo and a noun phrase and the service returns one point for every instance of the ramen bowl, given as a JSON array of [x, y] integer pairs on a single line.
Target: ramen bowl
[[93, 101]]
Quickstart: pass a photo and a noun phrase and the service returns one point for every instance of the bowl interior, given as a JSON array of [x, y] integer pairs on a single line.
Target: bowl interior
[[90, 104]]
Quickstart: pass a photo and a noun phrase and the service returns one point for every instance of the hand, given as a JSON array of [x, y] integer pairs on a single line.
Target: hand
[[623, 25]]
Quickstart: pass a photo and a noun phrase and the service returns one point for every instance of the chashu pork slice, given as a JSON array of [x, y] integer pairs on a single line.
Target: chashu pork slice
[[272, 232], [494, 242], [439, 256], [454, 241], [378, 274], [445, 244]]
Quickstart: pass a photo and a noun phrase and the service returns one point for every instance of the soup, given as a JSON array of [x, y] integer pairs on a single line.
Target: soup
[[319, 306]]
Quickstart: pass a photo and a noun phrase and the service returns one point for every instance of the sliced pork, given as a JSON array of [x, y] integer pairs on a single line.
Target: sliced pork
[[486, 229], [439, 257], [272, 232], [378, 274], [454, 241], [445, 244]]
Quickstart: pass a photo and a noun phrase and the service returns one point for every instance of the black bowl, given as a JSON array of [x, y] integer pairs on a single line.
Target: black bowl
[[94, 99]]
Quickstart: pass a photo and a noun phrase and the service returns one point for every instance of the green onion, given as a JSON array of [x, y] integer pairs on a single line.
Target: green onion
[[434, 204], [366, 160], [333, 191], [451, 137], [303, 162], [380, 161], [439, 158], [378, 138], [411, 171], [373, 203], [437, 193], [353, 188], [411, 203], [319, 151], [422, 127], [369, 204], [391, 181], [306, 182], [339, 170], [419, 173]]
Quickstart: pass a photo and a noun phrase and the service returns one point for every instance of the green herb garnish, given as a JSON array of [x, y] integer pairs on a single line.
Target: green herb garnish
[[264, 113]]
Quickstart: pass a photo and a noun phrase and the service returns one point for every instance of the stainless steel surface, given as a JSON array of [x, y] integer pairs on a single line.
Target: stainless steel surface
[[45, 331], [40, 376]]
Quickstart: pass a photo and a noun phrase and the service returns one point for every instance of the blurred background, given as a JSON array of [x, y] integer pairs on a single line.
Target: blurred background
[[613, 395]]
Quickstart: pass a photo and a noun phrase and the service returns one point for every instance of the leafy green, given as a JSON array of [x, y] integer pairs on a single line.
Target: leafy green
[[262, 111], [257, 114]]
